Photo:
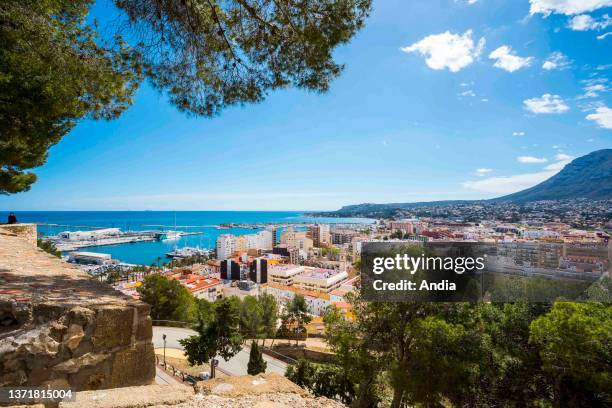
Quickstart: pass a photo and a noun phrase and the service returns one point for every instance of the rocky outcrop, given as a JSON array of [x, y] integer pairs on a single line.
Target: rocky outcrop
[[262, 391], [131, 397], [61, 328], [26, 232]]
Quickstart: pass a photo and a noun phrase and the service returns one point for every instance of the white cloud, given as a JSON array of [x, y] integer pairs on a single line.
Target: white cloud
[[518, 182], [469, 92], [604, 36], [505, 59], [447, 50], [508, 184], [556, 60], [518, 133], [567, 7], [483, 171], [484, 100], [531, 159], [584, 22], [563, 156], [547, 103], [602, 116], [561, 161], [594, 88]]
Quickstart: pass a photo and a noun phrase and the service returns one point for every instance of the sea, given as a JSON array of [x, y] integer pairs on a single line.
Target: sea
[[148, 253]]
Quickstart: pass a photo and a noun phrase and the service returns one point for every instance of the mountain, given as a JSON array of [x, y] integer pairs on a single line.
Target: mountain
[[588, 177]]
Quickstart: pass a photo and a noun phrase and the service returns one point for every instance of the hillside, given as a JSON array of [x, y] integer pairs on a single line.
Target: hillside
[[589, 177]]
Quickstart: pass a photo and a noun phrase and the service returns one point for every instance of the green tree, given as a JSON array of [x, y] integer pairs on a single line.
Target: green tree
[[442, 358], [302, 373], [204, 54], [207, 54], [269, 315], [256, 363], [296, 316], [323, 380], [357, 356], [168, 299], [112, 276], [219, 336], [601, 290], [48, 247], [575, 342], [205, 310], [54, 71], [251, 317]]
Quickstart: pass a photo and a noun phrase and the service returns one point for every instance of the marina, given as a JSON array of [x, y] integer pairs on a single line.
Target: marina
[[73, 240], [138, 245]]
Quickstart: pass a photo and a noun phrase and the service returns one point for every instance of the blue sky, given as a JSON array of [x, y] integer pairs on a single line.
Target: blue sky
[[443, 99]]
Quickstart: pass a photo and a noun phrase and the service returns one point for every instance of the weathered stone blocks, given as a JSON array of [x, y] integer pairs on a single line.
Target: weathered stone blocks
[[60, 328], [113, 327]]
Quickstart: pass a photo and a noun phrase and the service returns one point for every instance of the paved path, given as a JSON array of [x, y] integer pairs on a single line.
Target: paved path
[[163, 378], [237, 365]]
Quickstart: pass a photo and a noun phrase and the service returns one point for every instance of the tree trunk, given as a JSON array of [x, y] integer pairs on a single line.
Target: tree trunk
[[398, 394]]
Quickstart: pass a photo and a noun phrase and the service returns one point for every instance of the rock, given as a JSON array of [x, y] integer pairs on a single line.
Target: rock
[[73, 336], [113, 327], [56, 384], [274, 400], [129, 397], [133, 365], [222, 388], [75, 364], [58, 325]]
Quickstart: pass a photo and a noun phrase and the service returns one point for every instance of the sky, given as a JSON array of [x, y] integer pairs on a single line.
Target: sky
[[443, 99]]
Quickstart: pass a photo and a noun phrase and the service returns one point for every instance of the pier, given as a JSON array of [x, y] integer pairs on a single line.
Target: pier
[[74, 240]]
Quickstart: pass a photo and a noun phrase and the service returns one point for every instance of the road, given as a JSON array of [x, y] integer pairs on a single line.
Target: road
[[237, 365]]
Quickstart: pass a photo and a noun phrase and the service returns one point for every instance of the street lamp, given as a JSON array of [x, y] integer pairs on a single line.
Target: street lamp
[[213, 365], [164, 338]]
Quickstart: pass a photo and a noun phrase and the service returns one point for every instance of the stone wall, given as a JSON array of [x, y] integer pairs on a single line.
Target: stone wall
[[59, 327]]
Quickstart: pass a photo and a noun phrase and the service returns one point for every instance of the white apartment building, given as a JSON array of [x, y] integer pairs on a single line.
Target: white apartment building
[[317, 305], [284, 274], [226, 246], [319, 279], [260, 240]]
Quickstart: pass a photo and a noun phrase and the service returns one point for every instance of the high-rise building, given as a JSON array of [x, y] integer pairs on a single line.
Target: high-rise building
[[226, 246], [258, 271], [274, 230], [320, 234], [260, 240], [230, 270], [340, 237], [291, 252]]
